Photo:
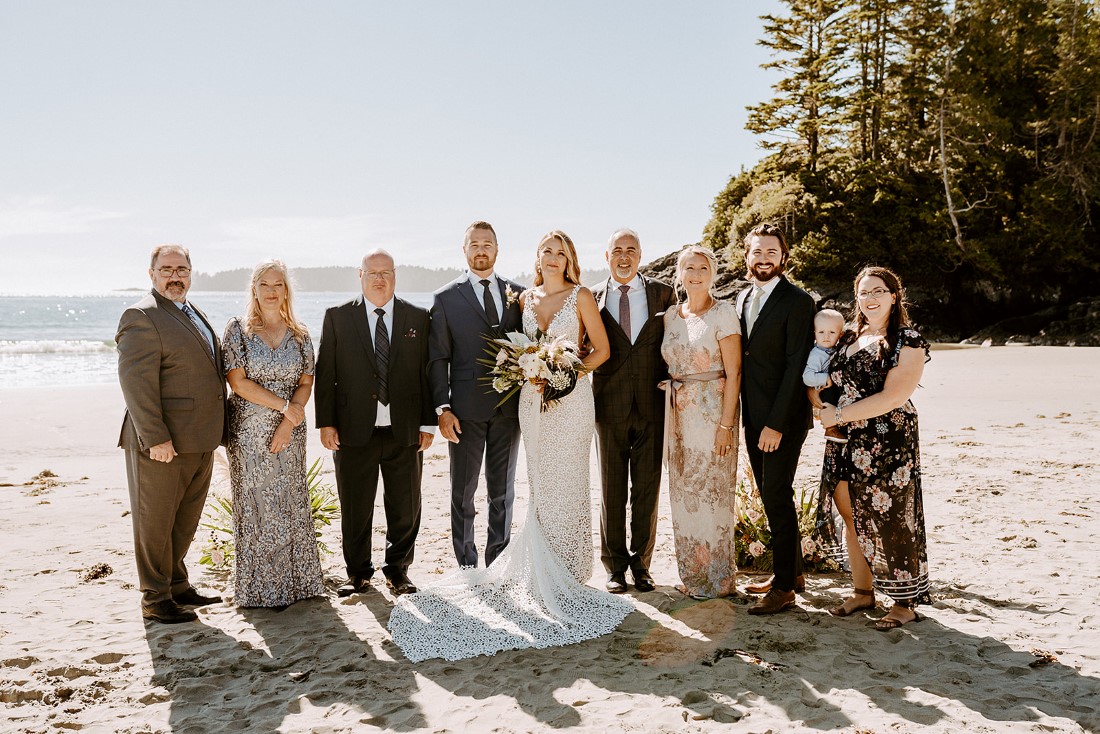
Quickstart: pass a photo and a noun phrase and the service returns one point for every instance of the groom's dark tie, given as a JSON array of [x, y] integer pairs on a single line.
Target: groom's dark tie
[[624, 311], [489, 303], [382, 356]]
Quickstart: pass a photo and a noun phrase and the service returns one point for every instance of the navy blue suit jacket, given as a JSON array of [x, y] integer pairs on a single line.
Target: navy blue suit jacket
[[458, 340]]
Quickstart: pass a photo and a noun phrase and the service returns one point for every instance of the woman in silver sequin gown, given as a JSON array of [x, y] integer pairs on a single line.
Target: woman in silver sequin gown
[[534, 595], [269, 363]]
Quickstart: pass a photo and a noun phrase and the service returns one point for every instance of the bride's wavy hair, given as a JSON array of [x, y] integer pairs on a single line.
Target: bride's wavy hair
[[688, 251], [572, 267], [254, 318]]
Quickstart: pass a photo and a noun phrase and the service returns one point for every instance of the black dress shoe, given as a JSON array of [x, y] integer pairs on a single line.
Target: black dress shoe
[[643, 581], [167, 612], [354, 585], [193, 598], [616, 583], [399, 583]]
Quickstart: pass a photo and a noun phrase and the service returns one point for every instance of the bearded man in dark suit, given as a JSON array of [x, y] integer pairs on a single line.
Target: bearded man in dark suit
[[777, 326], [480, 428], [170, 371], [373, 409], [630, 413]]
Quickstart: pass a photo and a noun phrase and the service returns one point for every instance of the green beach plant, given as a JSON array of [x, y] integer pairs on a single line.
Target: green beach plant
[[218, 550]]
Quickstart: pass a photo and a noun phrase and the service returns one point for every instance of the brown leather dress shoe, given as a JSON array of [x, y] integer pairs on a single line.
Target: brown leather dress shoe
[[354, 585], [616, 583], [399, 583], [193, 598], [765, 586], [167, 612], [643, 581], [775, 601]]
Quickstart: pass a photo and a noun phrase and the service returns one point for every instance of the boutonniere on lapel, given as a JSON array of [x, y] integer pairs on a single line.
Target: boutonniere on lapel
[[410, 334], [510, 296]]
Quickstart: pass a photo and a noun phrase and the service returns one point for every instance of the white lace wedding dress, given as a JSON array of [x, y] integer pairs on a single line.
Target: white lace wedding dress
[[534, 594]]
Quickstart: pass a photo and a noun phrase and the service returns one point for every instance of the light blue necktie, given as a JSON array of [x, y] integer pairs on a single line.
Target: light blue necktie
[[200, 326]]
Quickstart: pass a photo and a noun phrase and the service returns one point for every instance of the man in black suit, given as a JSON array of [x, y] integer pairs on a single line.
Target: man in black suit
[[777, 325], [477, 304], [374, 413], [630, 412]]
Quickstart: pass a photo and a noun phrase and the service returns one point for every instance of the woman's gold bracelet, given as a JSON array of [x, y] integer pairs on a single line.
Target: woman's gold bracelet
[[728, 428]]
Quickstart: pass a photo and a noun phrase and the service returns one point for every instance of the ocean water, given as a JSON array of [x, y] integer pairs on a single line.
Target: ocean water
[[47, 341]]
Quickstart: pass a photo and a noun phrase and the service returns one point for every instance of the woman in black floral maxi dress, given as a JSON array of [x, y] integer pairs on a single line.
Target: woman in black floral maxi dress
[[874, 478]]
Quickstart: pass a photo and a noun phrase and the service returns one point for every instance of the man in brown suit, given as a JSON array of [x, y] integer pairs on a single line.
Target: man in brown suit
[[170, 370]]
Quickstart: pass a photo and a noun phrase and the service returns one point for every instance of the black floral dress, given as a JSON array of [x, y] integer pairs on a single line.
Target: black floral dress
[[881, 463]]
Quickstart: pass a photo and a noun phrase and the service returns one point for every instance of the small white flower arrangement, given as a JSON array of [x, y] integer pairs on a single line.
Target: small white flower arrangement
[[510, 296]]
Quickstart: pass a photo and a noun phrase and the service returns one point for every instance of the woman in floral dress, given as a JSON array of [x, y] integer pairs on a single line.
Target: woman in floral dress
[[874, 478], [269, 363], [702, 346]]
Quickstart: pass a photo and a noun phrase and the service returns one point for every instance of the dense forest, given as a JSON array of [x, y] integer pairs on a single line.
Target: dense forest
[[958, 143]]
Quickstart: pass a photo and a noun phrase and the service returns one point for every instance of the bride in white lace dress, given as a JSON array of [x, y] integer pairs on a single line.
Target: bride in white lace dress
[[534, 593]]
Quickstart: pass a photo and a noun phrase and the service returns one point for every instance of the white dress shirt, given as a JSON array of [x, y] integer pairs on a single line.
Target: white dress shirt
[[494, 291], [639, 306]]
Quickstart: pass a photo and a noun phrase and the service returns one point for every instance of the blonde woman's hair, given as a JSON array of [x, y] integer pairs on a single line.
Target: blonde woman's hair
[[254, 318], [572, 267], [688, 251]]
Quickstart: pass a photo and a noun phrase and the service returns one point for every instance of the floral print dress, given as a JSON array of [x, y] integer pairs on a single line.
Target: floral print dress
[[701, 484], [881, 463]]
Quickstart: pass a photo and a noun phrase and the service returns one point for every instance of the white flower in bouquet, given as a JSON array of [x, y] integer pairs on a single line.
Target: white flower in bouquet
[[756, 549], [531, 365], [808, 546], [502, 357]]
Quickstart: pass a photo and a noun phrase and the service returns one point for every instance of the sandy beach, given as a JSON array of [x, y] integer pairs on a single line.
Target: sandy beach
[[1012, 643]]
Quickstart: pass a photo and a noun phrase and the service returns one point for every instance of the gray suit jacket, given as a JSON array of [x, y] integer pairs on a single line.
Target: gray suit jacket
[[173, 387]]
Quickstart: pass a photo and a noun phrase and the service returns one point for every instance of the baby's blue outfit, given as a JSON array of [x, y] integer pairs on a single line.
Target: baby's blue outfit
[[816, 373]]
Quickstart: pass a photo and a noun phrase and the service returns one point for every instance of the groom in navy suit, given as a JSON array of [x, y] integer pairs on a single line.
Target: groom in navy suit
[[477, 304]]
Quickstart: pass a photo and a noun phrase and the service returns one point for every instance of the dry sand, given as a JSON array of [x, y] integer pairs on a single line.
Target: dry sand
[[1012, 643]]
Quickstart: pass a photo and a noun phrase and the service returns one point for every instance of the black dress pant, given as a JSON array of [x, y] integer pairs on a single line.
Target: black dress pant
[[357, 470], [774, 472], [630, 470]]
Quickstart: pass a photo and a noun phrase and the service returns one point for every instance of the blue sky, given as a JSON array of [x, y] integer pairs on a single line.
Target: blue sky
[[315, 131]]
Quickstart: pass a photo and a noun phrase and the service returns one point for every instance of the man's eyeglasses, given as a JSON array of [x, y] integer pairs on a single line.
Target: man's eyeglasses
[[377, 274], [169, 272]]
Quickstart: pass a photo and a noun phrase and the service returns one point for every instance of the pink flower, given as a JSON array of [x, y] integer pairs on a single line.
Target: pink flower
[[808, 547], [756, 549]]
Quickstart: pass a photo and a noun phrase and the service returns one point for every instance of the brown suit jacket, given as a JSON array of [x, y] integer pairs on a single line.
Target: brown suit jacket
[[173, 387]]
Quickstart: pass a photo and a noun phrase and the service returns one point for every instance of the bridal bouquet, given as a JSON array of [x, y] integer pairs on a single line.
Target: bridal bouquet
[[554, 363]]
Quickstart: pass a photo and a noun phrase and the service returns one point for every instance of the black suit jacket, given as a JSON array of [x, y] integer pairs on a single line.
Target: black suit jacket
[[459, 330], [773, 358], [632, 371], [346, 383]]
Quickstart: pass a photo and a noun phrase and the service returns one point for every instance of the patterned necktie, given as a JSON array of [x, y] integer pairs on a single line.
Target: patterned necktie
[[754, 310], [624, 311], [200, 326], [489, 303], [382, 356]]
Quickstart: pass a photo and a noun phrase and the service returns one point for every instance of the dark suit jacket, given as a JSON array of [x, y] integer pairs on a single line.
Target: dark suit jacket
[[459, 329], [632, 371], [173, 387], [773, 358], [346, 382]]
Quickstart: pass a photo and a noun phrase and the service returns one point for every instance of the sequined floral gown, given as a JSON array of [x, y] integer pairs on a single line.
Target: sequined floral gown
[[701, 486], [533, 595], [276, 559]]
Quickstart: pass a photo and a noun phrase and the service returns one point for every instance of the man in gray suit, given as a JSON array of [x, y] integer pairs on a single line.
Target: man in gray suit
[[170, 370], [477, 304]]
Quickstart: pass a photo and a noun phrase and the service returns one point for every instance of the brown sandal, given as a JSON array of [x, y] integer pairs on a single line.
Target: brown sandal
[[842, 612], [890, 623]]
